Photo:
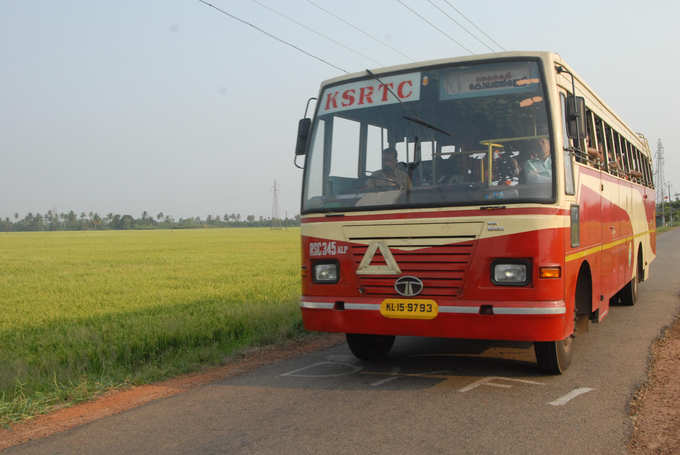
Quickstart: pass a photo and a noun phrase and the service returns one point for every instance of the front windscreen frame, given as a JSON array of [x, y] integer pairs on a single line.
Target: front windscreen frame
[[432, 127]]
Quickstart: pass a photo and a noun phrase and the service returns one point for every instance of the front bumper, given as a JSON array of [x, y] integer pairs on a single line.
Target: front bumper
[[518, 321]]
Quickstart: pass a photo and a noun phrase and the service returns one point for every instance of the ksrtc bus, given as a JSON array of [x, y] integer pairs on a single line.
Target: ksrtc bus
[[486, 197]]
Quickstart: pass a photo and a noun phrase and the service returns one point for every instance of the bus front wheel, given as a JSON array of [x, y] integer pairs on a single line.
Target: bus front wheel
[[554, 356], [369, 347]]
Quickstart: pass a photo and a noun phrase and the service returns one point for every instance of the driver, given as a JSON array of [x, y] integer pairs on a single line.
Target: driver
[[390, 176], [538, 168]]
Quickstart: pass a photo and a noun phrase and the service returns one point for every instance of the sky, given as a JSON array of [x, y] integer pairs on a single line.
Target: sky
[[170, 106]]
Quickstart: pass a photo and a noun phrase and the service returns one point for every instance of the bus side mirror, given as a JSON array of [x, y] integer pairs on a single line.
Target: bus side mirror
[[576, 118], [303, 132]]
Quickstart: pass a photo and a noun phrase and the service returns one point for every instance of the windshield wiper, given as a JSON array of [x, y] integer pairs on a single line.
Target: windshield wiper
[[408, 117], [425, 124]]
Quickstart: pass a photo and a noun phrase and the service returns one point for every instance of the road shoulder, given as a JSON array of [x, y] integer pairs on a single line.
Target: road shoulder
[[117, 401]]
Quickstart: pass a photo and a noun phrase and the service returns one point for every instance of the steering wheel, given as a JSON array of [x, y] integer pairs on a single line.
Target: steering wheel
[[379, 178]]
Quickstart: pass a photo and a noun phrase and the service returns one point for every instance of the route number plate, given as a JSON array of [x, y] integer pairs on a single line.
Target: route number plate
[[409, 309]]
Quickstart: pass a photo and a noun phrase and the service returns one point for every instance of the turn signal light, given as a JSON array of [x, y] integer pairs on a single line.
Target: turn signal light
[[549, 272]]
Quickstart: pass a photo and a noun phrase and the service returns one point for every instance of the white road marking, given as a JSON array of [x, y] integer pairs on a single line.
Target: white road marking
[[352, 369], [383, 381], [393, 375], [488, 381], [570, 396]]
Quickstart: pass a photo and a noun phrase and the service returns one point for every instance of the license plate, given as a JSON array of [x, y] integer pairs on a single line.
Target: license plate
[[409, 309]]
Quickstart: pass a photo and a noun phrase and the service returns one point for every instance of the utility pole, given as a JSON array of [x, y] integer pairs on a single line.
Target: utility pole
[[670, 202], [276, 219], [659, 180]]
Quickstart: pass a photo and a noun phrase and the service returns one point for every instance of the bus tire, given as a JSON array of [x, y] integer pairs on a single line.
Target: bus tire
[[369, 347], [554, 357], [583, 301], [629, 294]]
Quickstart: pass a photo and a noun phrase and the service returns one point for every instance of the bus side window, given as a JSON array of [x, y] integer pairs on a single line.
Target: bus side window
[[593, 155], [620, 157], [635, 158], [601, 144], [626, 157], [641, 164], [645, 169], [650, 172], [613, 164]]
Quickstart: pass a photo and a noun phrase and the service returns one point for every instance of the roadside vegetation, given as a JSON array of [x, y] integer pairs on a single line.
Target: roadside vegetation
[[671, 215], [83, 312], [668, 226]]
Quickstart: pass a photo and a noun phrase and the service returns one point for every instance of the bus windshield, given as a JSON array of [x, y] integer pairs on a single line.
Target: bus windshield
[[454, 135]]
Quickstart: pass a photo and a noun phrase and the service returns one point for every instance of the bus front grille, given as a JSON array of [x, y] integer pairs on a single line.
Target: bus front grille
[[441, 268]]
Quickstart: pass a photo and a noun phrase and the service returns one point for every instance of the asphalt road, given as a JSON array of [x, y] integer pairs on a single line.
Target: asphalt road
[[432, 396]]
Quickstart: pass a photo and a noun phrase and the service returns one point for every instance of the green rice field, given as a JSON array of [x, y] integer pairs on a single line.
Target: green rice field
[[82, 312]]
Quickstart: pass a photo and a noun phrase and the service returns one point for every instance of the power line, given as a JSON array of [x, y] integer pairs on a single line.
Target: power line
[[460, 25], [306, 27], [358, 29], [433, 26], [272, 36], [475, 25]]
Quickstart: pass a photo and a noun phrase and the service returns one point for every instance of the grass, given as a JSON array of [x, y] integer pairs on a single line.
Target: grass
[[667, 227], [83, 312]]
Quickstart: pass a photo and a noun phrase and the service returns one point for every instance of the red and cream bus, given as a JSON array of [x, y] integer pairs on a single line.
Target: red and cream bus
[[486, 197]]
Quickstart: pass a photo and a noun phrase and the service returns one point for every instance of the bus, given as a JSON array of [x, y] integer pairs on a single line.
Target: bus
[[492, 197]]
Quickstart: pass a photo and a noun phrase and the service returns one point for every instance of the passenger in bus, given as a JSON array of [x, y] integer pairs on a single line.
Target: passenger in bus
[[595, 155], [614, 164], [506, 168], [390, 176], [538, 168]]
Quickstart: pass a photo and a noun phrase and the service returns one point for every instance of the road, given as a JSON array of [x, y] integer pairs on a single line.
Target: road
[[432, 396]]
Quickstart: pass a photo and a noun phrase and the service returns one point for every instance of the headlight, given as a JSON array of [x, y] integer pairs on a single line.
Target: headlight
[[326, 272], [510, 273]]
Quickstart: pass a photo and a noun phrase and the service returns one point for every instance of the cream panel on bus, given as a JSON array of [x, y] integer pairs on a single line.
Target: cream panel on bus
[[432, 232]]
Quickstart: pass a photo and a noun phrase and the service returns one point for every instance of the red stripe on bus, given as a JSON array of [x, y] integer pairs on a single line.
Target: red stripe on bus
[[448, 214]]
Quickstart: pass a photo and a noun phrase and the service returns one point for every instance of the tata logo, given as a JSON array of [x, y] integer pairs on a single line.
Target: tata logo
[[408, 286]]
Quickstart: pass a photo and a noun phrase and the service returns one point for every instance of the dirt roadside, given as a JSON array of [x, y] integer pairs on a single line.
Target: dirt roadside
[[655, 409]]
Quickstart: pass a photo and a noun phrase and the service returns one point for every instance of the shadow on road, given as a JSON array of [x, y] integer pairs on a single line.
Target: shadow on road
[[414, 363]]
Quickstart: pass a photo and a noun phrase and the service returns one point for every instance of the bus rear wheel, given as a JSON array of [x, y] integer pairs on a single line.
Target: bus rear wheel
[[554, 357], [369, 347], [629, 294]]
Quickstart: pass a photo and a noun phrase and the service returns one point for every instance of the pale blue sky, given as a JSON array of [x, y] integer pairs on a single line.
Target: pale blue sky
[[167, 105]]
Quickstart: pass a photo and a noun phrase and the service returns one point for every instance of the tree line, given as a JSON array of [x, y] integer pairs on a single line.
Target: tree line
[[71, 221]]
